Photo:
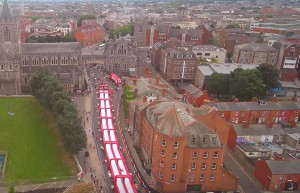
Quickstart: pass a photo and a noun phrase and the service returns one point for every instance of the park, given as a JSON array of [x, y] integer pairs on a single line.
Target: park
[[34, 149]]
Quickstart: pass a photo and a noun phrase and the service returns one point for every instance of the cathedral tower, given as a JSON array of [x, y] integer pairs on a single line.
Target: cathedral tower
[[9, 52]]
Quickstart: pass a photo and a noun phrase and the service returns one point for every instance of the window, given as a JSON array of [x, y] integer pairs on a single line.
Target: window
[[175, 155], [276, 186], [205, 154], [202, 177], [172, 178], [162, 153], [236, 113], [282, 113], [173, 166], [292, 49], [195, 155], [212, 177], [296, 112], [176, 145], [194, 166], [281, 178], [10, 67], [160, 175], [290, 178], [213, 140], [194, 140], [161, 164], [7, 37], [213, 166], [263, 113], [204, 140], [222, 114], [207, 54], [163, 142], [203, 167], [216, 154], [192, 177]]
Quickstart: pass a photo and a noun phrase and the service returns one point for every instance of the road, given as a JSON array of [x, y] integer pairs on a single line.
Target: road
[[246, 184], [94, 76]]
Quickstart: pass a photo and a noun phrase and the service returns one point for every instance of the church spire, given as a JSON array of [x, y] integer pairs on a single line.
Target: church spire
[[6, 12]]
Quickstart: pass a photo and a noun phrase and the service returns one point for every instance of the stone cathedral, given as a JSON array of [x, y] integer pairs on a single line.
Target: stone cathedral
[[19, 61]]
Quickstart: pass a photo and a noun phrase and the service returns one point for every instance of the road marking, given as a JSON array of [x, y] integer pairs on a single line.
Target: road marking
[[244, 171], [37, 187]]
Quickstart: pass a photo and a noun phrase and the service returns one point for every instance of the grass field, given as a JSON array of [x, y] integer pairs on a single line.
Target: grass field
[[29, 137]]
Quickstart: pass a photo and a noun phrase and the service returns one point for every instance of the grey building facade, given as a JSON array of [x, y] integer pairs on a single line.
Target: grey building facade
[[19, 62]]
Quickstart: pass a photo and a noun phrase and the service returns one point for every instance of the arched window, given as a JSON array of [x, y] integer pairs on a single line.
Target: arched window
[[7, 37]]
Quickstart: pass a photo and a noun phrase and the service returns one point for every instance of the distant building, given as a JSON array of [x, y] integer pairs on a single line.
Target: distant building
[[255, 53], [277, 176], [89, 33], [194, 95], [209, 51]]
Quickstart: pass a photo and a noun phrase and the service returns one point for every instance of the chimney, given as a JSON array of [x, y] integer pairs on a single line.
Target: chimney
[[164, 91], [245, 40], [275, 100], [246, 125], [135, 92], [235, 100], [134, 79], [157, 80], [144, 99]]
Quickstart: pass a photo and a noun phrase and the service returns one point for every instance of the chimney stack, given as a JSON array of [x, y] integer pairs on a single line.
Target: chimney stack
[[157, 80], [235, 100], [144, 99]]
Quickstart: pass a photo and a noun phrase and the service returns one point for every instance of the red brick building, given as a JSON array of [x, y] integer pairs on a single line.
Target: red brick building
[[194, 95], [90, 33], [23, 23], [184, 153], [259, 112], [278, 176], [162, 33]]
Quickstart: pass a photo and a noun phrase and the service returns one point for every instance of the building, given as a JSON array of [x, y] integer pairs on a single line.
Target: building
[[260, 112], [19, 61], [255, 53], [184, 153], [278, 176], [203, 72], [124, 58], [178, 65], [89, 33], [293, 140], [209, 52], [194, 95]]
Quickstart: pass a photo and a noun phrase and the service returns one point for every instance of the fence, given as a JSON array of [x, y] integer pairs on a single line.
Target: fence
[[3, 166]]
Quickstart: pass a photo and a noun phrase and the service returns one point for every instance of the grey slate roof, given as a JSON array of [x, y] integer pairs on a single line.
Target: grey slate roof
[[6, 12], [247, 147], [194, 91], [257, 47], [192, 32], [258, 130], [208, 69], [250, 106], [208, 48], [284, 167], [36, 48]]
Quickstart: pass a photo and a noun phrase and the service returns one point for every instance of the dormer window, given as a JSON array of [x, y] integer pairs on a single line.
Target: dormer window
[[204, 140], [194, 139], [292, 49]]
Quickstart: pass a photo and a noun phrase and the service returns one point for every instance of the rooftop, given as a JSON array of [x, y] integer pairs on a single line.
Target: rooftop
[[258, 130], [284, 167], [36, 48], [209, 69], [208, 48], [257, 47]]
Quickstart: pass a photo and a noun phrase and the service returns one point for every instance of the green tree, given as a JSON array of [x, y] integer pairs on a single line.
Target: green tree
[[246, 84], [218, 84], [214, 41], [124, 30], [11, 189], [232, 26], [214, 60], [270, 75], [175, 27], [85, 17]]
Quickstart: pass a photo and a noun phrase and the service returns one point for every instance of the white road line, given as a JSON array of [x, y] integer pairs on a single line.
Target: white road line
[[37, 187]]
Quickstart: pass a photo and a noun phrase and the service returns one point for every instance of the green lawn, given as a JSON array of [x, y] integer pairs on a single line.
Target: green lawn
[[29, 137]]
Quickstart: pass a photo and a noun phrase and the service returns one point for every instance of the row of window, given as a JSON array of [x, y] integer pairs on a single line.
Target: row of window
[[10, 68], [195, 154], [45, 61], [193, 166], [191, 177], [262, 113]]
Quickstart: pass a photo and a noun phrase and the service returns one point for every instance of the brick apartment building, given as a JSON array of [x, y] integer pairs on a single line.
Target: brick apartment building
[[259, 112], [277, 176], [256, 53], [89, 33], [184, 153], [178, 65], [194, 95]]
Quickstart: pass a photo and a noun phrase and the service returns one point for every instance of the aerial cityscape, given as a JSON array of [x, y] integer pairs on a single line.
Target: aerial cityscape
[[149, 96]]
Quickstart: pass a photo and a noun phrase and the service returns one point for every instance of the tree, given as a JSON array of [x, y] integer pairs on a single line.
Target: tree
[[270, 75], [124, 30], [218, 84], [230, 26], [175, 27], [11, 189], [213, 41], [246, 84], [85, 17], [214, 60]]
